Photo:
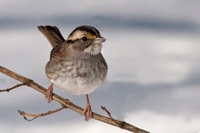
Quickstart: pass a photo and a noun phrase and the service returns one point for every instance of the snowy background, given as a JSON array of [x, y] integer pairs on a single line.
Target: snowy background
[[153, 54]]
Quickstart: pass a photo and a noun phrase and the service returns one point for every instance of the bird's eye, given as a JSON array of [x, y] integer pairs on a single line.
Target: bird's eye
[[84, 38], [69, 41]]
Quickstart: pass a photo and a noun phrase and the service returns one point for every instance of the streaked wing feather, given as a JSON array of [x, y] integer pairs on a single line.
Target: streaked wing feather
[[53, 34]]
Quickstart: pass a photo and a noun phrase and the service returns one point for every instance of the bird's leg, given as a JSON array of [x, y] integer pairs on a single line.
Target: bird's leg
[[88, 110], [49, 93]]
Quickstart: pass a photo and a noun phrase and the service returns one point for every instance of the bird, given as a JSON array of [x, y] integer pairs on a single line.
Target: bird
[[76, 64]]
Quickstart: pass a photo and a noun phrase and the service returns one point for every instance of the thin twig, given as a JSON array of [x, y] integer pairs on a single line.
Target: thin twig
[[109, 114], [67, 103], [24, 114], [120, 124], [14, 87]]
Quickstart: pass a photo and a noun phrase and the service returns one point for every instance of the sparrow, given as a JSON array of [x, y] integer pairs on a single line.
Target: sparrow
[[76, 64]]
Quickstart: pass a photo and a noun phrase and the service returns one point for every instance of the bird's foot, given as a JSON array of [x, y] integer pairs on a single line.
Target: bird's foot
[[87, 112], [49, 93]]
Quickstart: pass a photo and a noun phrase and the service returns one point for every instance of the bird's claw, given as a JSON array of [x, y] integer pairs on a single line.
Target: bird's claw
[[49, 93], [87, 112]]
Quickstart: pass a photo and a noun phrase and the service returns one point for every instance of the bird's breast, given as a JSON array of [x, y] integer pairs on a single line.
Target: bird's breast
[[77, 75]]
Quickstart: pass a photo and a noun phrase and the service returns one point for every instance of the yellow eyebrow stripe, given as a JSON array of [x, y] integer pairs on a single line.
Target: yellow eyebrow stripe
[[89, 35]]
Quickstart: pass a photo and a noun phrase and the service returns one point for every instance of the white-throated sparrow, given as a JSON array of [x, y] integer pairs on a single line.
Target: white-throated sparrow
[[76, 64]]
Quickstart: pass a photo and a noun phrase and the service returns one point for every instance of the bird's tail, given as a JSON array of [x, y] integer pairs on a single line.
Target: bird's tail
[[53, 34]]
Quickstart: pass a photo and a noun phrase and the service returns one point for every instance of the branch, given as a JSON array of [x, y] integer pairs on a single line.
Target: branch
[[109, 114], [24, 114], [68, 104], [9, 89]]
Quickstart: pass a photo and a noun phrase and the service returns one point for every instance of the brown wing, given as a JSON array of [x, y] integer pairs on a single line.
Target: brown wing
[[62, 50], [53, 34]]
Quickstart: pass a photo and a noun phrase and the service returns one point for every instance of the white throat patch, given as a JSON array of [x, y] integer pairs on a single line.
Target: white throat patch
[[93, 49]]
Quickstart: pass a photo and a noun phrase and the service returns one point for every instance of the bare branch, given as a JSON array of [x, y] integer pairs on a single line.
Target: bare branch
[[68, 104], [24, 114], [14, 87], [109, 114], [119, 123]]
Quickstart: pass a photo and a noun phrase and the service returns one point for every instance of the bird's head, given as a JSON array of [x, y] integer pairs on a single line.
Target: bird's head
[[86, 39]]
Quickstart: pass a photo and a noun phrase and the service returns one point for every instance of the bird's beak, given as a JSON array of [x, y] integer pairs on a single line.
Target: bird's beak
[[99, 40]]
